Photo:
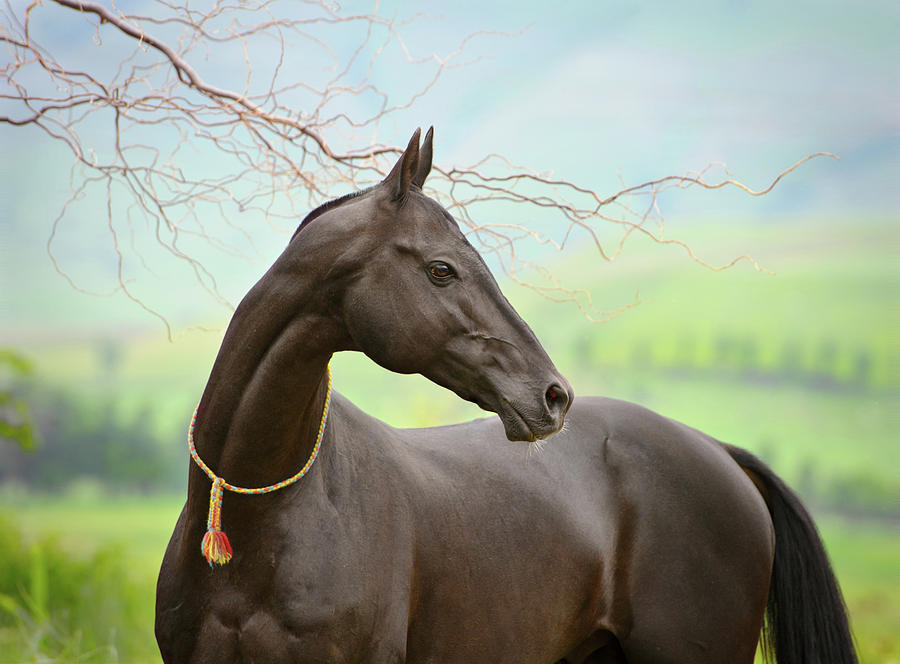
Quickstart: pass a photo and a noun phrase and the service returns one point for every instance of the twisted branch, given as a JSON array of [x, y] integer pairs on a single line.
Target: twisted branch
[[193, 162]]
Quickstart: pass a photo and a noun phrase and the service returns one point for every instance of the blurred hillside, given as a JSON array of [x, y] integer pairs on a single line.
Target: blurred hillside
[[800, 366]]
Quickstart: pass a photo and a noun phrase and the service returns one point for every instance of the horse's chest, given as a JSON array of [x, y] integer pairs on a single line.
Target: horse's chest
[[308, 625], [313, 604], [272, 634]]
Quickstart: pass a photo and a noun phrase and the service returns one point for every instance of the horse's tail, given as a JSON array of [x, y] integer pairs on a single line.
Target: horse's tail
[[806, 618]]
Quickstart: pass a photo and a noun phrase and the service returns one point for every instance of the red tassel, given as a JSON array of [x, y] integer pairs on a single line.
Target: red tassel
[[216, 548]]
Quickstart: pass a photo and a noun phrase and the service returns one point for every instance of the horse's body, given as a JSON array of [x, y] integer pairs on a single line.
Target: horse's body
[[628, 537]]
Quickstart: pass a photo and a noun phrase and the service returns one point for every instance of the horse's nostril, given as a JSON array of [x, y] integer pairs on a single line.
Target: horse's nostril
[[556, 397]]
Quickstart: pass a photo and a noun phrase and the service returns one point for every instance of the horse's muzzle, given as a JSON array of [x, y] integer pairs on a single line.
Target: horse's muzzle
[[528, 421]]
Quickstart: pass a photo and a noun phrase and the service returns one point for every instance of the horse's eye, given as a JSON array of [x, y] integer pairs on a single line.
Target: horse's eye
[[440, 271]]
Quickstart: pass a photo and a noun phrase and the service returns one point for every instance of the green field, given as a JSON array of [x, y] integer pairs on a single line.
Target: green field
[[864, 556]]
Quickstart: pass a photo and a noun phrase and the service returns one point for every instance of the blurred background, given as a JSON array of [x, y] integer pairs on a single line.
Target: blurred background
[[798, 362]]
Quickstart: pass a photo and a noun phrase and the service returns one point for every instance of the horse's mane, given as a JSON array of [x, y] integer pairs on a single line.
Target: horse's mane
[[325, 207]]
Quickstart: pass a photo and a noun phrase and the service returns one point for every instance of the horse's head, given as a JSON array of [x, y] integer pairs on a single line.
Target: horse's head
[[416, 297]]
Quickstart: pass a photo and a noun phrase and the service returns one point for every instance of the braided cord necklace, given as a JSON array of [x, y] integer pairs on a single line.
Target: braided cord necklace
[[215, 546]]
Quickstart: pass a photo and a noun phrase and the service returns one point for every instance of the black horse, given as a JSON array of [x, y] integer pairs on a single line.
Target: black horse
[[629, 538]]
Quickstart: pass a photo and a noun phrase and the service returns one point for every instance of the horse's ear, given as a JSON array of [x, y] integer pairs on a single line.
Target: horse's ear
[[401, 175], [424, 159]]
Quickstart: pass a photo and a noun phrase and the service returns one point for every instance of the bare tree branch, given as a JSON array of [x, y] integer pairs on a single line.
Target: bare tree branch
[[177, 153]]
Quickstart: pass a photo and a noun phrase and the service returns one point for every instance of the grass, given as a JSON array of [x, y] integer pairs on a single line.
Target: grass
[[864, 557], [142, 524], [66, 596]]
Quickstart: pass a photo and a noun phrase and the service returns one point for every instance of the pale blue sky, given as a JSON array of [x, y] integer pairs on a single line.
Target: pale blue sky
[[587, 90]]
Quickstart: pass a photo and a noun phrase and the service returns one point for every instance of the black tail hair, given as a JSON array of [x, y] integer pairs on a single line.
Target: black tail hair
[[806, 618]]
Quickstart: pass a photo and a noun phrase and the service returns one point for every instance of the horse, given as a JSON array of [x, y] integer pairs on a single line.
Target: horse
[[629, 537]]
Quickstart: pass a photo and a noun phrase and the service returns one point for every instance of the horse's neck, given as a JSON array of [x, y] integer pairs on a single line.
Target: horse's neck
[[259, 414]]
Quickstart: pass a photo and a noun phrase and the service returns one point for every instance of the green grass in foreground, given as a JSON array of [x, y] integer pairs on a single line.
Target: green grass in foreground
[[78, 584], [864, 556]]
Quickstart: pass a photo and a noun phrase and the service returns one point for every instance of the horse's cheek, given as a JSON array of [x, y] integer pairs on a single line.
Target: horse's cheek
[[385, 335]]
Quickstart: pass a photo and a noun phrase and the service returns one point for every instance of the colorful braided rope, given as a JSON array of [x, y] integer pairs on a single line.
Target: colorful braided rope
[[215, 546]]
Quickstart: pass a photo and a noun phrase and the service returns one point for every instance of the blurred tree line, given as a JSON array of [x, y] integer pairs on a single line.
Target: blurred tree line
[[54, 438], [78, 441], [74, 437], [822, 364], [16, 423], [859, 494]]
